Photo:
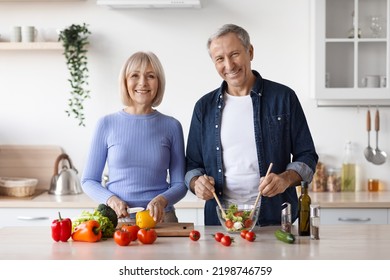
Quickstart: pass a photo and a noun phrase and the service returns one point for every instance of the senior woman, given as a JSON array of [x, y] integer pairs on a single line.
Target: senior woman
[[142, 148]]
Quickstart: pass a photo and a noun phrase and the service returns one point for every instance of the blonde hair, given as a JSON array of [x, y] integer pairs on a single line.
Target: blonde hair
[[140, 61]]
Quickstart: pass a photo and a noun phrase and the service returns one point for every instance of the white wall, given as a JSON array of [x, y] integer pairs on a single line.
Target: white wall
[[34, 87]]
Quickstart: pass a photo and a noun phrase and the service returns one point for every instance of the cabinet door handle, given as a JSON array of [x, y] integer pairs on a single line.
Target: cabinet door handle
[[28, 218], [362, 220]]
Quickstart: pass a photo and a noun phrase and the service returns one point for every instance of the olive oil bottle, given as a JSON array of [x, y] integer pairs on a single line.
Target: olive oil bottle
[[304, 211]]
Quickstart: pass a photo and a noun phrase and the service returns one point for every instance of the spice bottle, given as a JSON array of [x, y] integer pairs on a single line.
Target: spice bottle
[[348, 171], [286, 217], [314, 221], [304, 211]]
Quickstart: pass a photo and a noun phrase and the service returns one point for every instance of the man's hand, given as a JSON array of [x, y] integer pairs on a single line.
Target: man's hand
[[275, 184], [203, 187]]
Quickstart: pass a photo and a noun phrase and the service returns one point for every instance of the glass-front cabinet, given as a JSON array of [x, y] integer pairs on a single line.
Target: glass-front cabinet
[[351, 52]]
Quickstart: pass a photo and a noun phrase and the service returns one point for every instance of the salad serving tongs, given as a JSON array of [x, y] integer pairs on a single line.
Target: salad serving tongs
[[259, 195]]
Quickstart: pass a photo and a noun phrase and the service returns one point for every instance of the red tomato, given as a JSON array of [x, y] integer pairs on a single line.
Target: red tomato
[[243, 232], [194, 235], [218, 236], [229, 223], [250, 236], [122, 238], [226, 240], [133, 229], [248, 223], [239, 214], [147, 235]]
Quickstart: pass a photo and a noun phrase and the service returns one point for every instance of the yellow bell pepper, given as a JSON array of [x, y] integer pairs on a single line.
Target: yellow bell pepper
[[144, 220]]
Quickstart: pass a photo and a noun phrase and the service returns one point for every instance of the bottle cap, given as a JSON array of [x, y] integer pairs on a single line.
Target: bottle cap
[[314, 210], [287, 208], [304, 184]]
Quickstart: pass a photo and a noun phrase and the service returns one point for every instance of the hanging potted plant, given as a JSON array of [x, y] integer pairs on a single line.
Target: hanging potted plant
[[75, 40]]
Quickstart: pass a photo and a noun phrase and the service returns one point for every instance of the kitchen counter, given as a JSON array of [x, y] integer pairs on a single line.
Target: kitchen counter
[[344, 242], [325, 199], [351, 199], [47, 200]]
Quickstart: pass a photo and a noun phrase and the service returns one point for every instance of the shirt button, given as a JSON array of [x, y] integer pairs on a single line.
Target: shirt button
[[219, 106], [279, 118], [217, 148], [216, 126]]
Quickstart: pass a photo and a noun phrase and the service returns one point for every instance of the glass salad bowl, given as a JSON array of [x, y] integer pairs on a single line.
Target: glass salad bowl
[[238, 217]]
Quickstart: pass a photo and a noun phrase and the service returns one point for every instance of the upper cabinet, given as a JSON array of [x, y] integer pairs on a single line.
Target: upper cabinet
[[351, 64]]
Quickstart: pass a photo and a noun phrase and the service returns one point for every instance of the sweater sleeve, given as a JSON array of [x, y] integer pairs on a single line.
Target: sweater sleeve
[[177, 189], [96, 160]]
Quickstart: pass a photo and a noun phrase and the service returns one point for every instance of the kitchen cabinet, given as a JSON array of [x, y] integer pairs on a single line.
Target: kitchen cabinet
[[194, 215], [350, 43], [36, 216], [354, 216], [31, 46]]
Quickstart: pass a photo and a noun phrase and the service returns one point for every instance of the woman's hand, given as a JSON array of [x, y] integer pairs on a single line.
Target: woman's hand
[[119, 206], [156, 208]]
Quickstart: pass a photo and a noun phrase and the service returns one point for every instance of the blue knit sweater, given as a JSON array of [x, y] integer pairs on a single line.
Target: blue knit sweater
[[140, 150]]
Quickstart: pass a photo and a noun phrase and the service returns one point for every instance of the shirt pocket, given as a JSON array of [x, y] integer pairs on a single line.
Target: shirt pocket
[[278, 126]]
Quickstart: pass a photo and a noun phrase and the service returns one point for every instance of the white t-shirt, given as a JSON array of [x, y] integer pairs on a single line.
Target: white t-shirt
[[242, 176]]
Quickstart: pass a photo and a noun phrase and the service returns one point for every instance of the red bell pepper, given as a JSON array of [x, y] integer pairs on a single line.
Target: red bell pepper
[[61, 229]]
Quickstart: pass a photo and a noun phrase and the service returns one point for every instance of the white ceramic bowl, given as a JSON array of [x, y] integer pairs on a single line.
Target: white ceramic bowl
[[238, 217]]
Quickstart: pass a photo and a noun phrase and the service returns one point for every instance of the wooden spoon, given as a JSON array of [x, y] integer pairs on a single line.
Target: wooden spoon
[[218, 202], [259, 195]]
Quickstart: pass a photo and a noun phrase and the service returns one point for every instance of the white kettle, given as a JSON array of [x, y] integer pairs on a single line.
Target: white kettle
[[65, 181]]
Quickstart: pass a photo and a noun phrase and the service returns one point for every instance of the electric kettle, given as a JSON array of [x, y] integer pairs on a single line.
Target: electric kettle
[[65, 181]]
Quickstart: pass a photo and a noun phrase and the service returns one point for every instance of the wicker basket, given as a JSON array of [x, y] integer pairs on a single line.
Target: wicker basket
[[18, 187]]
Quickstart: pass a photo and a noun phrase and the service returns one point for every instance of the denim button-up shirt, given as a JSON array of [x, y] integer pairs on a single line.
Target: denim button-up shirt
[[282, 137]]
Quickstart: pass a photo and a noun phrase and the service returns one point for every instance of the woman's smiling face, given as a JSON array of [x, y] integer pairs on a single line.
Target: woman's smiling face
[[142, 86]]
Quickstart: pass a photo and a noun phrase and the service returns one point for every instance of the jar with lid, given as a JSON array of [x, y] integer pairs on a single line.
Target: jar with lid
[[333, 182], [319, 178]]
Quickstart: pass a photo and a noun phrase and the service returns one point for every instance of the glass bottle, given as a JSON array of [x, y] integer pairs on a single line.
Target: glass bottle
[[286, 217], [315, 221], [351, 32], [348, 170], [304, 211]]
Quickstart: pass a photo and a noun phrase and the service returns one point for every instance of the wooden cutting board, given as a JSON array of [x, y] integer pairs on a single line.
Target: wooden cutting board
[[171, 229]]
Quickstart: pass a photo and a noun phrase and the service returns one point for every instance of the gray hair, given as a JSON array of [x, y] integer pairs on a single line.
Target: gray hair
[[140, 61], [241, 33]]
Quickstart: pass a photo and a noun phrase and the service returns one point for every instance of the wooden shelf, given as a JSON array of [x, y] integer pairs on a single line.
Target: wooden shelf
[[31, 46]]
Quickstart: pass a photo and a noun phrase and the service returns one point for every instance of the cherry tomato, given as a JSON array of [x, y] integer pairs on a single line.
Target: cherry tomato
[[250, 236], [133, 229], [217, 236], [226, 240], [147, 235], [194, 235], [239, 213], [243, 232], [229, 223], [122, 238], [248, 223]]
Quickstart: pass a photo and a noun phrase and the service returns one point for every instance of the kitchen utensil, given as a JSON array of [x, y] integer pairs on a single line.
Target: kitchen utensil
[[218, 202], [135, 210], [65, 182], [369, 152], [380, 156], [259, 195]]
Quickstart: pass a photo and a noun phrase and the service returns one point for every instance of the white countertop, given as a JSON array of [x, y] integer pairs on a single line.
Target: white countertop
[[337, 242]]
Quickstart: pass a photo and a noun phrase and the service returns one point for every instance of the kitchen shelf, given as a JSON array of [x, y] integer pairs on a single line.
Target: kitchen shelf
[[346, 51], [31, 46]]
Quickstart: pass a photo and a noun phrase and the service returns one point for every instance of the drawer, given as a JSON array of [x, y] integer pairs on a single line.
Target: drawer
[[354, 216], [36, 216]]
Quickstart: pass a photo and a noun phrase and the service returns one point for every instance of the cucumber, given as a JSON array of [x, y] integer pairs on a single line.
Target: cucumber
[[284, 236]]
